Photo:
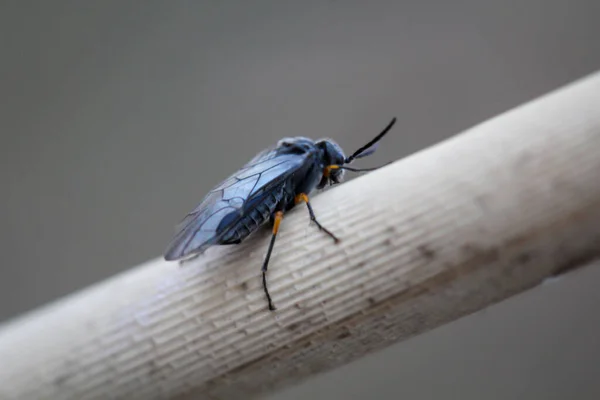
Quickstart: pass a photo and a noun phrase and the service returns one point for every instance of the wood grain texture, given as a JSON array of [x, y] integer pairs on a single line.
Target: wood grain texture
[[426, 240]]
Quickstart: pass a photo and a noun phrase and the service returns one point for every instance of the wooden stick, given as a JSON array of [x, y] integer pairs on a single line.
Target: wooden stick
[[438, 235]]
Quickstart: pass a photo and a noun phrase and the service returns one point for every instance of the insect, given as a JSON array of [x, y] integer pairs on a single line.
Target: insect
[[272, 183]]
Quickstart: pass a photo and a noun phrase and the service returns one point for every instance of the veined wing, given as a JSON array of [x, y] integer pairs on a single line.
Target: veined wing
[[227, 203]]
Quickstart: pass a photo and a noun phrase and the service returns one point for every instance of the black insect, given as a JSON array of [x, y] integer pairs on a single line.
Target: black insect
[[272, 183]]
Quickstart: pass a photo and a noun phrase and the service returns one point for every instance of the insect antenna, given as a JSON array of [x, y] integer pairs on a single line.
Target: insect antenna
[[370, 147], [364, 151], [361, 169]]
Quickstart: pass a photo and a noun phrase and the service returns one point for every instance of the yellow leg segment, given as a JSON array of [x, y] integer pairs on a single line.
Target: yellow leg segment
[[302, 197], [327, 170], [278, 218]]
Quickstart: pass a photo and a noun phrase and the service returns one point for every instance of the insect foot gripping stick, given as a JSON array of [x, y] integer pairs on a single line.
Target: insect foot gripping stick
[[271, 183], [423, 241]]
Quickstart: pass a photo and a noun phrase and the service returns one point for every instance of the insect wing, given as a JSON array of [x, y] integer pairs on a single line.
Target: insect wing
[[227, 203]]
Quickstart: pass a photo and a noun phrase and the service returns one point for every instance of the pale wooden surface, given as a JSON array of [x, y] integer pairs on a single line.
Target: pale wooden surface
[[426, 240]]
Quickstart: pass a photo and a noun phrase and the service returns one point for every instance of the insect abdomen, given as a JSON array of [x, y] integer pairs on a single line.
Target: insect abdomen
[[253, 219]]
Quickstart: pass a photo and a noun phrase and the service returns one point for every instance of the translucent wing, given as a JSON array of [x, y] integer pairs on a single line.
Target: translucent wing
[[227, 203]]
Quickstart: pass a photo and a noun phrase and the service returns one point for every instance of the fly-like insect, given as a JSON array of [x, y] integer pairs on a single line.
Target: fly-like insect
[[264, 189]]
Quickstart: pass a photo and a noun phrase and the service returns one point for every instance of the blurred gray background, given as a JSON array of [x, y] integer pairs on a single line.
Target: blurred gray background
[[118, 116]]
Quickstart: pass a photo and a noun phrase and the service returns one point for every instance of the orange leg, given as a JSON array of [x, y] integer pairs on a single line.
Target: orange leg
[[302, 197], [327, 170]]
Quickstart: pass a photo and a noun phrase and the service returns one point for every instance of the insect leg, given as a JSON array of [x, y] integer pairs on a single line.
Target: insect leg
[[302, 197], [276, 222]]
